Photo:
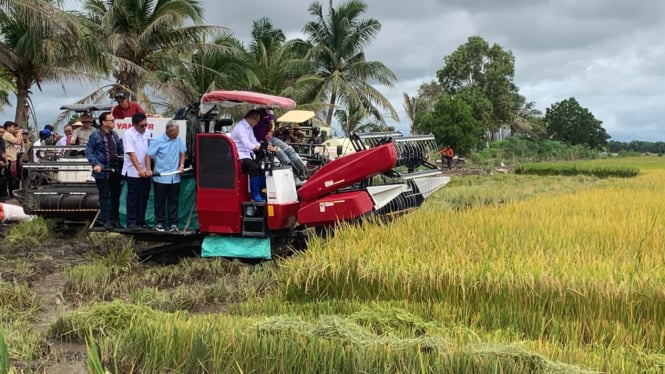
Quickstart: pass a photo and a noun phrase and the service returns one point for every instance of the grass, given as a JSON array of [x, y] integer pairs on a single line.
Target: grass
[[504, 273], [28, 233]]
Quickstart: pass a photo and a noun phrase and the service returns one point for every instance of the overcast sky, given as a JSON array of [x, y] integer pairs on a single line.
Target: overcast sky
[[608, 54]]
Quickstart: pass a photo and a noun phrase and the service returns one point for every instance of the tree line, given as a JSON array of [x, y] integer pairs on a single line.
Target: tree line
[[163, 48]]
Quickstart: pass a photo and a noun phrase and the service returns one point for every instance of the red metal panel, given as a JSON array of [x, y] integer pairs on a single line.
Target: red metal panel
[[282, 216], [219, 209], [348, 170], [337, 207]]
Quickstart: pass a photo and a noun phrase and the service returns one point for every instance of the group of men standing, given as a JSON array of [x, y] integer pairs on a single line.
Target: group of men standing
[[131, 159]]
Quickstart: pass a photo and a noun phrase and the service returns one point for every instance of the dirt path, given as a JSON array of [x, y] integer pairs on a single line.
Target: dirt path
[[65, 357]]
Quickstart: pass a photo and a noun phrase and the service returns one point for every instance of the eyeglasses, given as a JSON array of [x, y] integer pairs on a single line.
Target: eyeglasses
[[109, 120], [142, 125]]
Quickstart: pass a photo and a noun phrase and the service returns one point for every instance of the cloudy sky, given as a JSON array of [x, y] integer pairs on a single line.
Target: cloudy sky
[[608, 54]]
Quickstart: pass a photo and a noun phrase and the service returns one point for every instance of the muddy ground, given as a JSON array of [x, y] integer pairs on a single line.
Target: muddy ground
[[48, 262]]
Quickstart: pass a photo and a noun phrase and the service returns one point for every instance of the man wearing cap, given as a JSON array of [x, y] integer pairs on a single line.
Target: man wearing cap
[[125, 108], [81, 134], [44, 136], [53, 136]]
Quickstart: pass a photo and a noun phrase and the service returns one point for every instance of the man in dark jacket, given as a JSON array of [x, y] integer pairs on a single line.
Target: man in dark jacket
[[105, 153]]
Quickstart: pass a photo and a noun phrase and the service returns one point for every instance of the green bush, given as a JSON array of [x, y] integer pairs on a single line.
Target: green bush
[[514, 150], [573, 169]]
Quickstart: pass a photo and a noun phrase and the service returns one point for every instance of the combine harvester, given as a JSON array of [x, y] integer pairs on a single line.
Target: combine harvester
[[388, 174]]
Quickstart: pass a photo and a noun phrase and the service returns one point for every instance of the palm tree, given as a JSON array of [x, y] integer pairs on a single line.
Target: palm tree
[[38, 43], [144, 37], [412, 107], [278, 65], [210, 70], [338, 40], [525, 115]]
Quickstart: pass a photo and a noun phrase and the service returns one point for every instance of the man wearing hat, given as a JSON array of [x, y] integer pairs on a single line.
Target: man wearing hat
[[125, 108], [25, 146], [81, 134]]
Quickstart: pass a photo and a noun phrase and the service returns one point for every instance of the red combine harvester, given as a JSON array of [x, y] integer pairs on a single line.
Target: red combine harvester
[[388, 174]]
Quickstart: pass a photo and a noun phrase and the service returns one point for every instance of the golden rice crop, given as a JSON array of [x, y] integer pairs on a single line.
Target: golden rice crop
[[580, 269]]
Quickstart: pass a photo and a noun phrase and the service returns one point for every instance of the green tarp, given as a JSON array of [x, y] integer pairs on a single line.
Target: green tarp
[[187, 216], [236, 247]]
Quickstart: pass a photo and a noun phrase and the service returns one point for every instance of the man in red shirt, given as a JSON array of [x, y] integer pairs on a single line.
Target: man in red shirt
[[125, 108]]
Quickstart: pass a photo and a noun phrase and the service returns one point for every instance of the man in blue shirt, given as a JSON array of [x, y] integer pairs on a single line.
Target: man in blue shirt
[[245, 141], [104, 152], [168, 151]]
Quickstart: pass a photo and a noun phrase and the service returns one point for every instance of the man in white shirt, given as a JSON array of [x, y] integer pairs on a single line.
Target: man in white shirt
[[243, 136], [137, 175]]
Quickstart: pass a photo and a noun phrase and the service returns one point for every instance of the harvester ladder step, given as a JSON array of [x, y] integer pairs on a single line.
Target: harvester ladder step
[[254, 219]]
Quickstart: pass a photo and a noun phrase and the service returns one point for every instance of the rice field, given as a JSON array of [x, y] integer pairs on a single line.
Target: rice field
[[504, 273]]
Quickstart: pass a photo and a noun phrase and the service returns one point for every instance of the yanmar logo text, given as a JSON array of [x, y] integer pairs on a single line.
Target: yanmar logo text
[[128, 125]]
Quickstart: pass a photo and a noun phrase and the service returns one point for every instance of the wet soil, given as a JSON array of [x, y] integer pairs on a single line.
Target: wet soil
[[47, 263]]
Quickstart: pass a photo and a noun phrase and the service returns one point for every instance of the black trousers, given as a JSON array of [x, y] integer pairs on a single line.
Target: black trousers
[[166, 195], [251, 166], [4, 188], [138, 191], [109, 199]]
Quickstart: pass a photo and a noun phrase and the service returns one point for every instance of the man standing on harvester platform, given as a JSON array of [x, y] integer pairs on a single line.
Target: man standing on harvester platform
[[168, 151]]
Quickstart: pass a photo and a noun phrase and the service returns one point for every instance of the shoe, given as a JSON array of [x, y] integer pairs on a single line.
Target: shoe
[[133, 227], [173, 228], [159, 228], [145, 227], [108, 226], [117, 225]]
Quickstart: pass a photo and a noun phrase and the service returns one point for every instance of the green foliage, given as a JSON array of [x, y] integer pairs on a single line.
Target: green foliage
[[40, 43], [514, 150], [337, 41], [28, 233], [637, 146], [94, 361], [489, 70], [104, 319], [452, 123], [5, 365], [574, 169], [380, 339], [17, 301], [568, 121]]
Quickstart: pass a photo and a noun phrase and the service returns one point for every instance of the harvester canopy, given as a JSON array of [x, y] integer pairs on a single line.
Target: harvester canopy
[[231, 99]]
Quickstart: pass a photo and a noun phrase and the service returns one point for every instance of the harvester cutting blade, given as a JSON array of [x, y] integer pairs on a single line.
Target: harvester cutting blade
[[384, 194], [428, 186]]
